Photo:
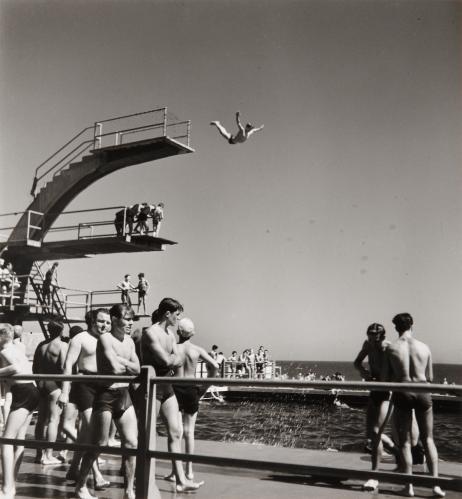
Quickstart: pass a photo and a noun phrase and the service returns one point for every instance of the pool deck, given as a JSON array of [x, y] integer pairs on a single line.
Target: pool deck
[[37, 481]]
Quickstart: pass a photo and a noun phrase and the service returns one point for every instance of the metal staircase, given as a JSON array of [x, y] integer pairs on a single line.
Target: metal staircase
[[93, 153]]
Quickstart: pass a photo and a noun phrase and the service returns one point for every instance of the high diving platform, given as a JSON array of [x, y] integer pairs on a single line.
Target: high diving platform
[[87, 247], [93, 153]]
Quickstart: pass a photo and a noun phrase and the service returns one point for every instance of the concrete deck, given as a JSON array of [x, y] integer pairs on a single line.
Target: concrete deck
[[37, 481]]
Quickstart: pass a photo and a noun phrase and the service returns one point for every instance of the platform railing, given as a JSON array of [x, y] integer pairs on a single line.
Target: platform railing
[[146, 452], [94, 138]]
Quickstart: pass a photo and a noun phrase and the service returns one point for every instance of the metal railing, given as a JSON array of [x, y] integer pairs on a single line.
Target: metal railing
[[146, 452], [93, 138], [33, 229]]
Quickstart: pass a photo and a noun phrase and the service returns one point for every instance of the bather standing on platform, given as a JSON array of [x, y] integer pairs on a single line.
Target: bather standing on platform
[[159, 349], [115, 355], [81, 357], [25, 398], [410, 361], [188, 396], [49, 358], [379, 401]]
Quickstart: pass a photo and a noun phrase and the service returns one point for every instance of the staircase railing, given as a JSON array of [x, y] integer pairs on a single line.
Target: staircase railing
[[116, 129]]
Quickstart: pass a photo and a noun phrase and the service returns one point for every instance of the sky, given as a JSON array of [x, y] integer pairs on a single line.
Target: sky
[[345, 210]]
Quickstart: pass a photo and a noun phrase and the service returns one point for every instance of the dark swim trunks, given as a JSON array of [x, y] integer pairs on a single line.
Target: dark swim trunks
[[83, 395], [47, 387], [188, 397], [378, 397], [164, 390], [114, 400], [412, 400], [24, 396]]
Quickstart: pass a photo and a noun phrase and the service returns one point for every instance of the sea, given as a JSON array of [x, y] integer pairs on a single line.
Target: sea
[[318, 424]]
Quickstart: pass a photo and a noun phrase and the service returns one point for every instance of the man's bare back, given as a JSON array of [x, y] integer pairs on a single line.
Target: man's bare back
[[410, 360], [52, 355]]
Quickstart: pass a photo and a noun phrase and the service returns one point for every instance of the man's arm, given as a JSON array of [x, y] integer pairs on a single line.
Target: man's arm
[[206, 357], [10, 359], [429, 368], [386, 370], [358, 363], [253, 130], [156, 348], [132, 364], [238, 121], [111, 356], [73, 352]]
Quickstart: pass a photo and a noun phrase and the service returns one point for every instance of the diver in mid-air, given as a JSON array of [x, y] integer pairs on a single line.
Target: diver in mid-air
[[242, 134]]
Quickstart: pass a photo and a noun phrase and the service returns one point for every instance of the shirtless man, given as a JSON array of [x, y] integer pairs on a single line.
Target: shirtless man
[[81, 357], [159, 349], [115, 354], [17, 340], [377, 409], [25, 400], [188, 396], [49, 359], [242, 133], [409, 361]]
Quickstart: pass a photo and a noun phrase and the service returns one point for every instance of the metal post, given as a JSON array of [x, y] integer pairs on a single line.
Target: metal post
[[28, 225], [189, 132], [165, 122], [125, 221], [145, 467]]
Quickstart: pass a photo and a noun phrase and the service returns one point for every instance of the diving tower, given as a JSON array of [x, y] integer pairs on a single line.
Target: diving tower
[[95, 152]]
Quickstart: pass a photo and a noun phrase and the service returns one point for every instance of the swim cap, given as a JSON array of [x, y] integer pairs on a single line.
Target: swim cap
[[186, 328]]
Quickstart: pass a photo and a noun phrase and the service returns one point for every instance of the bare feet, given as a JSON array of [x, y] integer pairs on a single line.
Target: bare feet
[[51, 461], [170, 478], [190, 476], [213, 122], [102, 485], [188, 486], [7, 494], [438, 492], [408, 490], [371, 485], [129, 494], [84, 493]]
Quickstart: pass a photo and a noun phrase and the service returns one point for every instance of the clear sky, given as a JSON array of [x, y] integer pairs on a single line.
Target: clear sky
[[345, 210]]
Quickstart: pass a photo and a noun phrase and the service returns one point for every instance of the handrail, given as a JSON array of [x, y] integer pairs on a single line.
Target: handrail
[[146, 452], [132, 115]]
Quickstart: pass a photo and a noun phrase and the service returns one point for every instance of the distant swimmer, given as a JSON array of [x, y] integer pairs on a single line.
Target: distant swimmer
[[243, 133], [410, 361]]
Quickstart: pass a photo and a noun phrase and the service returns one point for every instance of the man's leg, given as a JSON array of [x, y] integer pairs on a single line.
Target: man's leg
[[169, 412], [84, 437], [42, 414], [425, 422], [54, 415], [128, 429], [100, 424], [223, 132], [19, 450], [16, 420], [404, 425], [189, 423]]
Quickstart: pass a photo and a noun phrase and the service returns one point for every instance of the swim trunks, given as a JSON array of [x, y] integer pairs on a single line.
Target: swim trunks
[[83, 395], [412, 400], [164, 390], [49, 386], [188, 397], [378, 397], [114, 400], [24, 396]]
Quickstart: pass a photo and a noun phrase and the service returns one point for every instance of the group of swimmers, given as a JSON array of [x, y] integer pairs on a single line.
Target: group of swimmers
[[407, 360], [139, 214], [106, 347]]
